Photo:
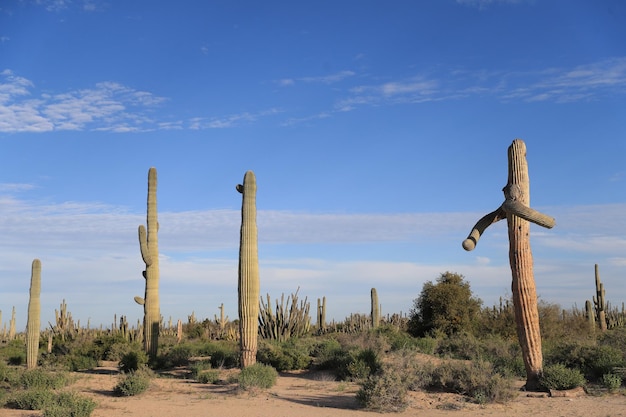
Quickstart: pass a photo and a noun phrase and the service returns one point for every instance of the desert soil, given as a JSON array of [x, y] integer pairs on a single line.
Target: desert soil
[[309, 394]]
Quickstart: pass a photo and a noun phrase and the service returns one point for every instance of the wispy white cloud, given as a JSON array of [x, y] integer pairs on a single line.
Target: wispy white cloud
[[91, 248], [321, 79], [109, 106], [230, 120]]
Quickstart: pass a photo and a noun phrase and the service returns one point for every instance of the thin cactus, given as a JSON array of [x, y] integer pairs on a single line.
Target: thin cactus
[[248, 287], [12, 325], [590, 315], [516, 209], [33, 328], [321, 315], [149, 245], [375, 310], [599, 301]]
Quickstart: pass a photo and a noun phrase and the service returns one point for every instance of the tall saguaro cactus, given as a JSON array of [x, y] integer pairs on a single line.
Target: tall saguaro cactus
[[149, 246], [33, 327], [600, 301], [249, 283], [516, 209], [375, 311]]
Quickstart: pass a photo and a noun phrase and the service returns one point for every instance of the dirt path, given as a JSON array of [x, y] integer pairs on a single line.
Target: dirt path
[[303, 394]]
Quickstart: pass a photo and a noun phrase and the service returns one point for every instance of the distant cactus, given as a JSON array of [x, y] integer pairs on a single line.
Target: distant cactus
[[149, 245], [288, 320], [33, 328], [249, 283], [590, 315], [600, 301], [321, 315], [375, 312], [12, 325]]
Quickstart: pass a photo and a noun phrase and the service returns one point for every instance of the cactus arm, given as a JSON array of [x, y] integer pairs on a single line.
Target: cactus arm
[[143, 246], [482, 224]]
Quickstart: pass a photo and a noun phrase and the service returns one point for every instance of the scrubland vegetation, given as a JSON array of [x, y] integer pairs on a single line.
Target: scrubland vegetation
[[448, 342]]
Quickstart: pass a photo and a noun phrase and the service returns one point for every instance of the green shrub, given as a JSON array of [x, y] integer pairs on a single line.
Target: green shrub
[[69, 404], [225, 357], [476, 379], [384, 392], [41, 379], [257, 376], [590, 359], [31, 399], [426, 345], [133, 360], [208, 377], [460, 346], [284, 356], [81, 363], [133, 383], [559, 377], [611, 381], [179, 355], [198, 367]]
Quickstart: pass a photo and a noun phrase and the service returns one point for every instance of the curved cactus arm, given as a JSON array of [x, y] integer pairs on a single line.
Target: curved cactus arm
[[143, 246], [139, 300], [482, 224], [512, 205]]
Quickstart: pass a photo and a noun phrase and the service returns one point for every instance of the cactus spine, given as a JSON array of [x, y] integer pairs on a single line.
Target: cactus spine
[[33, 327], [248, 283], [149, 245], [375, 313]]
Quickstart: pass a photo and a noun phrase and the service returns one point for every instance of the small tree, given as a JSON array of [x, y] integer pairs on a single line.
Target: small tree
[[447, 306]]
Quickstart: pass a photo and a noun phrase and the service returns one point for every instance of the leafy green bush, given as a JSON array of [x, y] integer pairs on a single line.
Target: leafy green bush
[[133, 360], [476, 379], [257, 376], [612, 382], [559, 377], [81, 363], [41, 379], [197, 368], [208, 377], [384, 392], [284, 356], [70, 404], [179, 355], [133, 383], [31, 399], [225, 356], [589, 358]]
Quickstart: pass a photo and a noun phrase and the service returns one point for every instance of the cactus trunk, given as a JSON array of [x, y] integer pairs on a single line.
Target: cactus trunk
[[248, 285], [149, 245], [521, 261], [34, 316], [600, 301], [375, 311], [516, 209]]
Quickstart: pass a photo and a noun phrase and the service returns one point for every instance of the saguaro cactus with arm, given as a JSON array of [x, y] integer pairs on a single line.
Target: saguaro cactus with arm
[[249, 284], [33, 326], [516, 209], [149, 246]]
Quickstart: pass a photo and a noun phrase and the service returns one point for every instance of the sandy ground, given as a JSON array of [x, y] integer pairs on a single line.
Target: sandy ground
[[304, 394]]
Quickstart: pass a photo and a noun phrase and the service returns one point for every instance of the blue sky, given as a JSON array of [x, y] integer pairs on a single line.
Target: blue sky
[[377, 131]]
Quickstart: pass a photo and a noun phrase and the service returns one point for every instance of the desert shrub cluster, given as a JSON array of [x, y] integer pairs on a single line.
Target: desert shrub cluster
[[449, 342]]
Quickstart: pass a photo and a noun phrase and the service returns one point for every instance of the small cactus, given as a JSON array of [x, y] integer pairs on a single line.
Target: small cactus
[[375, 313], [600, 301], [248, 284], [33, 328]]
